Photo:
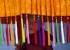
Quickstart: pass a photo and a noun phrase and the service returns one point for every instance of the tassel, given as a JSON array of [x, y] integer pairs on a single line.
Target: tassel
[[62, 32], [43, 33], [39, 31], [0, 33], [68, 29], [23, 31], [9, 36], [7, 32], [16, 33], [48, 32], [12, 33], [35, 33], [4, 31], [53, 32], [57, 33], [27, 30]]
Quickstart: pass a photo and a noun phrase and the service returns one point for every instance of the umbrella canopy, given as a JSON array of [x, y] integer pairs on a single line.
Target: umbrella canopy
[[37, 7]]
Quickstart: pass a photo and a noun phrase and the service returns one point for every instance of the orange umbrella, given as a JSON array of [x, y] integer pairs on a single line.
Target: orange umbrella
[[52, 7], [68, 7], [43, 10], [28, 7], [38, 7], [63, 7], [17, 7], [2, 11], [56, 8], [33, 7], [48, 9]]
